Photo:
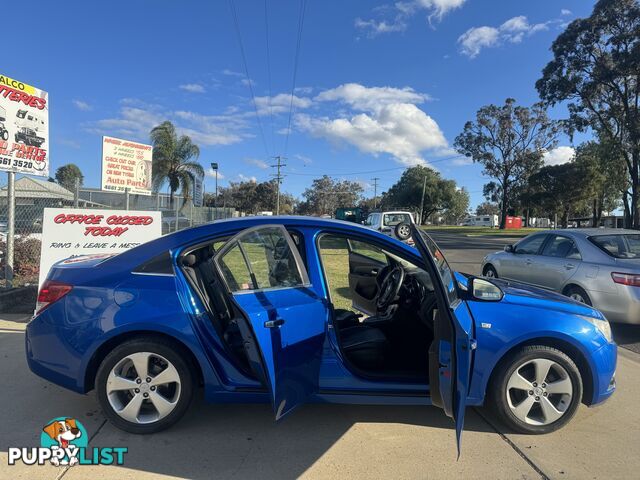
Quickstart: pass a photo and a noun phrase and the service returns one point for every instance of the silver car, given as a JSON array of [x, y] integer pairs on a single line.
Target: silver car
[[599, 267]]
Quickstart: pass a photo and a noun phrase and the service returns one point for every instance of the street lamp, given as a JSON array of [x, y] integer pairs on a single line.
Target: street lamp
[[214, 167]]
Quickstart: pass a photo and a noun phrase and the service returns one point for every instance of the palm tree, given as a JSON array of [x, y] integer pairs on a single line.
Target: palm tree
[[173, 161]]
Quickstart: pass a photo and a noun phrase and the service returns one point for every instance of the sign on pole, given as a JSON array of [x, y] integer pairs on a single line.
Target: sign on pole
[[68, 232], [126, 164], [24, 128]]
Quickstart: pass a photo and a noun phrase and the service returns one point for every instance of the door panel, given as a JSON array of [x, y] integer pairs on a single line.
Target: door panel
[[522, 264], [559, 261], [265, 275], [450, 355], [363, 286]]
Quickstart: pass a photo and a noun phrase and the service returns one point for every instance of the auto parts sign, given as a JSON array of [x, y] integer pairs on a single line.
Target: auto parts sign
[[24, 128]]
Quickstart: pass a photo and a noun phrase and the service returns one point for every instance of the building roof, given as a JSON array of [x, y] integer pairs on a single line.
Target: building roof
[[28, 187]]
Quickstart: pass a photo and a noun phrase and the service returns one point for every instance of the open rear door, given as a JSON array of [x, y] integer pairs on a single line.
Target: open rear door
[[451, 350], [265, 275]]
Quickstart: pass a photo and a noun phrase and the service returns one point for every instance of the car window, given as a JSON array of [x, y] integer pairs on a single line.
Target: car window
[[444, 270], [618, 246], [530, 245], [370, 220], [368, 250], [392, 219], [561, 247], [260, 259]]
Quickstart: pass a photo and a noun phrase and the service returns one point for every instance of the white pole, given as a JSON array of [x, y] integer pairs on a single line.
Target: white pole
[[11, 227]]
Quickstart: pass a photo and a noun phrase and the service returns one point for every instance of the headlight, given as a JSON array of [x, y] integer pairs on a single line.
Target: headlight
[[601, 324]]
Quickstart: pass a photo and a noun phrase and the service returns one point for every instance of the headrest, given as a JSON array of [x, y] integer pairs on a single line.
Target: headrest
[[189, 260]]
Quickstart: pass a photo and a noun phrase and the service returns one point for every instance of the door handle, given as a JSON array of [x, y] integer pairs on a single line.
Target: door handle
[[374, 271], [528, 261], [274, 323], [569, 266]]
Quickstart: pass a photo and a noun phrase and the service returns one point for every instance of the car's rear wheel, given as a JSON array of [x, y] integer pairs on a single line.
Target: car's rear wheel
[[578, 294], [489, 271], [536, 390], [144, 385]]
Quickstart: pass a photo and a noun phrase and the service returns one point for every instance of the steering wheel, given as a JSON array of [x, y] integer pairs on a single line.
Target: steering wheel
[[390, 287]]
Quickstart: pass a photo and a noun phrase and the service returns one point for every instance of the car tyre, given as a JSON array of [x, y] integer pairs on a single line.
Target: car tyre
[[561, 389], [173, 397], [490, 272], [578, 294], [403, 231]]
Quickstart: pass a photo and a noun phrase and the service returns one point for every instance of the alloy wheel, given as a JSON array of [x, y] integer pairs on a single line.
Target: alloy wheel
[[404, 230], [539, 391], [143, 387], [489, 273], [577, 297]]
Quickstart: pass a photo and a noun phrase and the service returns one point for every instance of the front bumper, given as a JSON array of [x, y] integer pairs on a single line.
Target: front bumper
[[605, 360]]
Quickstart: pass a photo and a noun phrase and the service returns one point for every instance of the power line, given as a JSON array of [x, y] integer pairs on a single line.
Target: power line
[[303, 6], [266, 29], [278, 176], [234, 14]]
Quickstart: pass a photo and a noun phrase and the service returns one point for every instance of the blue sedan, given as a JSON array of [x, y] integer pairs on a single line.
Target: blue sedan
[[290, 310]]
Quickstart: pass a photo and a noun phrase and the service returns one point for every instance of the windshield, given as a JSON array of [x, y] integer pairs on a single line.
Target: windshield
[[618, 246], [444, 270], [392, 219]]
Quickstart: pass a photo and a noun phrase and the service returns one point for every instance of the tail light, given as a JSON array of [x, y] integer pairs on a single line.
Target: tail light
[[51, 292], [626, 279]]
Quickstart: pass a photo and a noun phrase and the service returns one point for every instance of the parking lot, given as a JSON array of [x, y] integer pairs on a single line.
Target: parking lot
[[330, 441]]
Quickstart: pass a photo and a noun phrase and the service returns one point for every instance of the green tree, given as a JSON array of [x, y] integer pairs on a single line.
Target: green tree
[[458, 207], [595, 70], [509, 142], [439, 193], [174, 161], [325, 195], [609, 176], [563, 189], [66, 176], [488, 208]]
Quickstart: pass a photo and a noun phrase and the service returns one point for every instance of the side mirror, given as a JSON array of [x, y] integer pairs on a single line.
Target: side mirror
[[486, 291], [509, 248]]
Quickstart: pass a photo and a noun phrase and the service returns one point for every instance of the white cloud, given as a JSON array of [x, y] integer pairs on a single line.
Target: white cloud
[[192, 88], [559, 155], [513, 30], [81, 105], [280, 103], [212, 173], [393, 18], [369, 98], [135, 120], [244, 178], [565, 12], [304, 159], [256, 162], [400, 129], [232, 73]]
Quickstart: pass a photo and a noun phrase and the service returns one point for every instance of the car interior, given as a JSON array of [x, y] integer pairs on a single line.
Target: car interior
[[384, 309], [383, 306]]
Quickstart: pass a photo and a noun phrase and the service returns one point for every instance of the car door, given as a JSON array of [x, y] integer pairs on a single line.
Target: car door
[[268, 283], [519, 264], [558, 262], [450, 354], [365, 263]]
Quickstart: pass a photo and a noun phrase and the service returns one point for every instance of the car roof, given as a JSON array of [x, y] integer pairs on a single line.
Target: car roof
[[589, 232]]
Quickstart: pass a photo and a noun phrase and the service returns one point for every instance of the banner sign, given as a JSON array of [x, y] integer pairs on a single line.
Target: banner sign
[[126, 164], [198, 191], [68, 232], [24, 128]]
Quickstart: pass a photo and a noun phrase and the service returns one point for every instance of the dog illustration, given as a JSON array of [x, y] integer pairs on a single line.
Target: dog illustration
[[63, 432]]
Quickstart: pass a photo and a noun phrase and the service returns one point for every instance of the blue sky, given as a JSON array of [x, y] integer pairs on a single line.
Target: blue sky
[[380, 85]]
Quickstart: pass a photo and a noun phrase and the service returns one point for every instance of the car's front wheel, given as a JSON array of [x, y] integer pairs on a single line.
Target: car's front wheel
[[144, 385], [536, 390], [490, 272]]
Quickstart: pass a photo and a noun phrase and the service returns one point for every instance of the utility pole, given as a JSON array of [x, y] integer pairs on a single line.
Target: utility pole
[[278, 176], [424, 187], [375, 191]]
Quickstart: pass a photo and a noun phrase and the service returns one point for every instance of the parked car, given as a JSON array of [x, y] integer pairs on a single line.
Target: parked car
[[595, 266], [392, 223], [246, 309]]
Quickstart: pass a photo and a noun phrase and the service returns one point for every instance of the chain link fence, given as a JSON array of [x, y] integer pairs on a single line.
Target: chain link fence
[[33, 195]]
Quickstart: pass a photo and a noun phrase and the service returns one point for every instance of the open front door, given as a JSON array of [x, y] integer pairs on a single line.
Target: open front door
[[265, 275], [451, 350]]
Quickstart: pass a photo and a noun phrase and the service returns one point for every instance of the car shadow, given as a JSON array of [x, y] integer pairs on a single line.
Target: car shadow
[[243, 440]]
